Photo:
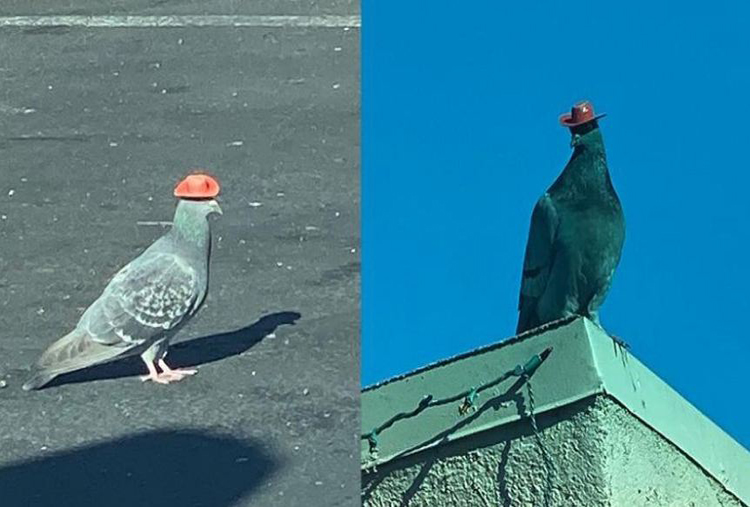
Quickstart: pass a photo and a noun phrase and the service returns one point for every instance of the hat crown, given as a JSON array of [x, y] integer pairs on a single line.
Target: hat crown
[[197, 186], [582, 112]]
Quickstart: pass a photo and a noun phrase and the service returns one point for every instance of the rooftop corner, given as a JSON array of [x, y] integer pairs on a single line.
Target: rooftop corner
[[477, 397]]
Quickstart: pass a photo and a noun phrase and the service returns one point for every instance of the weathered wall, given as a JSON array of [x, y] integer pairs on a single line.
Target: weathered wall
[[644, 469], [590, 453]]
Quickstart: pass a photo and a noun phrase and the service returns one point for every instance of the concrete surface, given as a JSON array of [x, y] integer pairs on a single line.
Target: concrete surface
[[96, 127], [588, 454], [610, 431]]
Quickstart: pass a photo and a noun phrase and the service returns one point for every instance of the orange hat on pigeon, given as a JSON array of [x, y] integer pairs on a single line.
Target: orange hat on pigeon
[[581, 113], [197, 186]]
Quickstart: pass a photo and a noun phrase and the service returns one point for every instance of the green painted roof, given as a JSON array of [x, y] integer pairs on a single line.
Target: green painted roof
[[584, 362]]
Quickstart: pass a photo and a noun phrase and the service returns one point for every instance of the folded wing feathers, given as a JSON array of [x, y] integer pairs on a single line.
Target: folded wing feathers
[[144, 299]]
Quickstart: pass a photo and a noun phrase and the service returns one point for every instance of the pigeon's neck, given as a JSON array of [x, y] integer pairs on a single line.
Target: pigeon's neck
[[586, 172], [190, 227]]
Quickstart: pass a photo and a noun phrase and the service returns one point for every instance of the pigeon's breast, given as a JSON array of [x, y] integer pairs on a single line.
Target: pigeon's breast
[[593, 238]]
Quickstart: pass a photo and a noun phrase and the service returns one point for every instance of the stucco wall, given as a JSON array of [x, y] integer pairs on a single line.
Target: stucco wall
[[590, 453]]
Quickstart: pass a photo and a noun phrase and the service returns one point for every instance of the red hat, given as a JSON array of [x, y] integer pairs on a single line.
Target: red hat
[[581, 113], [197, 186]]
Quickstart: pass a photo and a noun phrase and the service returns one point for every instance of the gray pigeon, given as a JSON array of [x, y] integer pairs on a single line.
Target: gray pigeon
[[148, 300], [577, 233]]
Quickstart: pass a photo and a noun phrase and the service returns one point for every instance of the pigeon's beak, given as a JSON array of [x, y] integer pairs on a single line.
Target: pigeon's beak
[[215, 208]]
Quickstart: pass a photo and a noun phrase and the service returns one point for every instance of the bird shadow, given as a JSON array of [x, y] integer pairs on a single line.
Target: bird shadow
[[198, 351], [161, 467]]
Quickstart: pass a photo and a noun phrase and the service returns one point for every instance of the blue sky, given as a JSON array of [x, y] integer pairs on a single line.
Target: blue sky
[[460, 138]]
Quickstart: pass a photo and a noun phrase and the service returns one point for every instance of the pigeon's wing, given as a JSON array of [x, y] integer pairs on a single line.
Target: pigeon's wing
[[146, 298], [537, 262]]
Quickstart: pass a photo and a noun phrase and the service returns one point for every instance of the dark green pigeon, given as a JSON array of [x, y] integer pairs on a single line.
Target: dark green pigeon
[[577, 233]]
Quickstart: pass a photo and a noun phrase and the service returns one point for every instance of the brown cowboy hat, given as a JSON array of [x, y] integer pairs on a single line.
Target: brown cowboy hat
[[582, 112]]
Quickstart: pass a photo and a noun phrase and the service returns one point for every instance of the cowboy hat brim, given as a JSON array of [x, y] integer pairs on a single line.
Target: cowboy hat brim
[[566, 120]]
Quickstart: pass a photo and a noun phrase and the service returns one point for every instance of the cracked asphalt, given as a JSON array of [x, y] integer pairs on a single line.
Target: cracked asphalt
[[96, 127]]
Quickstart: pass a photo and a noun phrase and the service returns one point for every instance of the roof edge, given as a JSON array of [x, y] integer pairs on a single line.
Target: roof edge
[[486, 348]]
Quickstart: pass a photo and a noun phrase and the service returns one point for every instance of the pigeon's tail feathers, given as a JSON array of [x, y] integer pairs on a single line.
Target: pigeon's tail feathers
[[527, 318], [74, 351], [39, 379], [525, 322]]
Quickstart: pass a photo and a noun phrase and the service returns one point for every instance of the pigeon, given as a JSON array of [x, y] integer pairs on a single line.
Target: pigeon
[[577, 233], [147, 301]]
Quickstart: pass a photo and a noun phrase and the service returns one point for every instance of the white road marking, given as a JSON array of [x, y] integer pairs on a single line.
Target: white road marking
[[327, 21]]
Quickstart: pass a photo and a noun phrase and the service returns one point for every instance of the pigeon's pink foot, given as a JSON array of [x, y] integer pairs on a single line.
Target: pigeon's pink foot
[[155, 376], [177, 374]]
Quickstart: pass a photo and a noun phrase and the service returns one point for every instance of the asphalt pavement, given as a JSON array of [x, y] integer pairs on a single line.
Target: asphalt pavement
[[97, 125]]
